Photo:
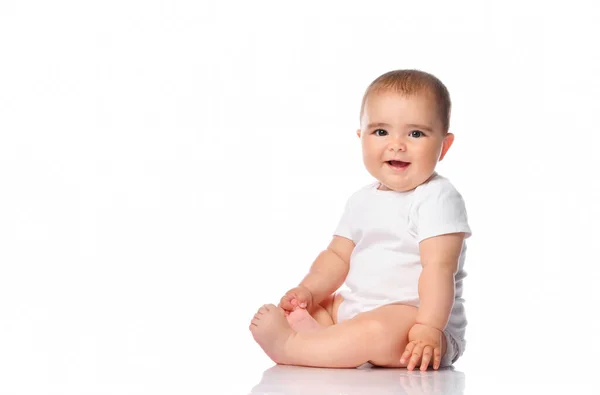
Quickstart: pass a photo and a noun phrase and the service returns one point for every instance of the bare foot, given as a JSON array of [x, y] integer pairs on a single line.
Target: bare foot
[[271, 331], [301, 321]]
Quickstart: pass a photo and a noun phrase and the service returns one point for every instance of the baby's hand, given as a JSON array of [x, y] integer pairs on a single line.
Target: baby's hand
[[423, 342], [299, 297]]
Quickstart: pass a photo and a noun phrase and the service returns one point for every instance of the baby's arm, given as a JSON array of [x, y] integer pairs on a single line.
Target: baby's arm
[[439, 258], [329, 270]]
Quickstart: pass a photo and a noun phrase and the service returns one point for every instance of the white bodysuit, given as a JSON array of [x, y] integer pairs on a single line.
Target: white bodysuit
[[386, 228]]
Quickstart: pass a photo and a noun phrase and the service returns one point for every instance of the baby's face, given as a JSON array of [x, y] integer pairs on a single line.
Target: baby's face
[[402, 139]]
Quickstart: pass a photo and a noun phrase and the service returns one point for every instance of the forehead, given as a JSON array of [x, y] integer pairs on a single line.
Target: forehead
[[394, 108]]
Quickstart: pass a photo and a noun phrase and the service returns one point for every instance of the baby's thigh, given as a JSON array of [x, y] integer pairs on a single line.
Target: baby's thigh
[[393, 322]]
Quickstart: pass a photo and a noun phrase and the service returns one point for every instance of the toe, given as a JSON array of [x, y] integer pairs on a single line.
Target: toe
[[254, 323]]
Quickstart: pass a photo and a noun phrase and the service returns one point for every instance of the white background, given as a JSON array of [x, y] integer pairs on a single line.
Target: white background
[[166, 167]]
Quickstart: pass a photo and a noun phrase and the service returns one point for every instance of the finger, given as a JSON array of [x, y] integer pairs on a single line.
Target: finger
[[301, 300], [407, 352], [286, 303], [427, 354], [416, 356], [437, 358], [285, 299]]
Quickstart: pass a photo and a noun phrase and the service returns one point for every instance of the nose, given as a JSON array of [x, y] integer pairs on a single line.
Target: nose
[[397, 144]]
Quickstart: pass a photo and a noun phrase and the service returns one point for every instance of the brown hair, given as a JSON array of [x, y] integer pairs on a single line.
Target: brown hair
[[412, 82]]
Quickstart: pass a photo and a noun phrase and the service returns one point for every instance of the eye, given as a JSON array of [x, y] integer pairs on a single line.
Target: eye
[[380, 132], [417, 133]]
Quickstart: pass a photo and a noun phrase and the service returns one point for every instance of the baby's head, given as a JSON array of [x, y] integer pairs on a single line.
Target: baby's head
[[404, 120]]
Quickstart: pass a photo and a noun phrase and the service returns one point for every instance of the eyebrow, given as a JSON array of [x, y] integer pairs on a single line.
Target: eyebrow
[[412, 125]]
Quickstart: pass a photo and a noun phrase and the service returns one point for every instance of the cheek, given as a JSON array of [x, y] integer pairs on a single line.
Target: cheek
[[430, 152], [370, 157], [369, 148]]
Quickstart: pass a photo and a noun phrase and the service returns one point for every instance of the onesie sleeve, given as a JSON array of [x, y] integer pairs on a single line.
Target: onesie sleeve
[[344, 227], [439, 211]]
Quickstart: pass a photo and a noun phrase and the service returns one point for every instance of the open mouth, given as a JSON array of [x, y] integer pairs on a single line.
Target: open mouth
[[397, 164]]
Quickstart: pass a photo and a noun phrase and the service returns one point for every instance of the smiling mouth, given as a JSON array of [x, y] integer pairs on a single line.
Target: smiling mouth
[[397, 164]]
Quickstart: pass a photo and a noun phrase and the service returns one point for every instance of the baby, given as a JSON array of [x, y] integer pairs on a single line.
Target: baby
[[399, 248]]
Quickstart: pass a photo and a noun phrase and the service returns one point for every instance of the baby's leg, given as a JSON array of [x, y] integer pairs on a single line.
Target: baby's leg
[[318, 317], [378, 336]]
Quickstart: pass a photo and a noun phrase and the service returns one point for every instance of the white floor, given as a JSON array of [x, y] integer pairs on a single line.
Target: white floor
[[364, 380], [367, 380]]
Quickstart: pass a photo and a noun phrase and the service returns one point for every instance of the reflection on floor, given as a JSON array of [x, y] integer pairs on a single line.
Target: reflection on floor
[[367, 379]]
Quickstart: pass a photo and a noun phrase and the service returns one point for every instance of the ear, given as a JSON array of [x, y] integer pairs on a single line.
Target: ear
[[358, 133], [446, 144]]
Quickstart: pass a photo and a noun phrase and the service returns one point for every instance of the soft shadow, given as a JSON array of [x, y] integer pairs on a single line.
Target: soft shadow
[[367, 379]]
